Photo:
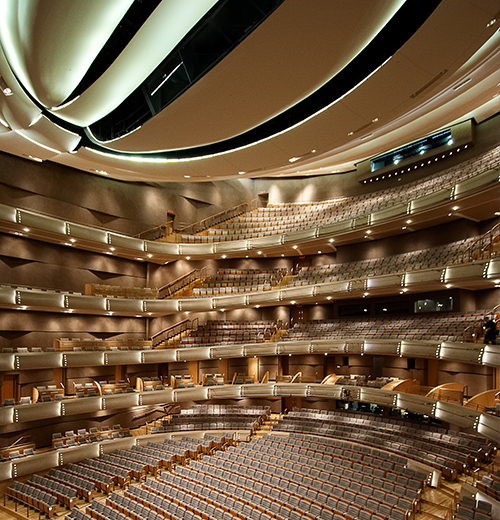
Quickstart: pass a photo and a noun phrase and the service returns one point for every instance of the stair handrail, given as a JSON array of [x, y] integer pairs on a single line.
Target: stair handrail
[[175, 285], [173, 330], [486, 249], [480, 323], [217, 218]]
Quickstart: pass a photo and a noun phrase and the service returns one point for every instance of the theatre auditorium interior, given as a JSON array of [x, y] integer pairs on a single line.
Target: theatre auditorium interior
[[250, 259]]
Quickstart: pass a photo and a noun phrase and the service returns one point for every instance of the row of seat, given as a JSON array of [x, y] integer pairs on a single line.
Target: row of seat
[[449, 458], [280, 482], [32, 496], [64, 494], [227, 281], [490, 484], [227, 409], [82, 436], [414, 260], [442, 326], [277, 219], [224, 490], [313, 469], [472, 509], [387, 469], [218, 332]]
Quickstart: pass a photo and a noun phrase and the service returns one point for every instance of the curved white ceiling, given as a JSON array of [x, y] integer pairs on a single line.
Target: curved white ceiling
[[50, 46], [296, 50]]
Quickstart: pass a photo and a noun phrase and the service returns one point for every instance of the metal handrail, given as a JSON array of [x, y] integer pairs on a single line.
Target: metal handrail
[[479, 323], [174, 330], [213, 220], [175, 285], [483, 245], [154, 233]]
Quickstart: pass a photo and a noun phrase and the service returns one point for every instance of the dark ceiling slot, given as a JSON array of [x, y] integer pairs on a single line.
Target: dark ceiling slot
[[431, 82]]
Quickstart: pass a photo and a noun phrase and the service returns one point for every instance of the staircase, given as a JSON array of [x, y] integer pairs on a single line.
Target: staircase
[[267, 426]]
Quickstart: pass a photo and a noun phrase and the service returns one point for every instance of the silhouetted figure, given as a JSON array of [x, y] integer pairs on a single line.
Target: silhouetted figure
[[490, 331]]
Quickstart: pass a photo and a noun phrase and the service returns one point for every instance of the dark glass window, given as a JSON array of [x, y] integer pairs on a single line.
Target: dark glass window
[[396, 307], [434, 305], [354, 310], [419, 148]]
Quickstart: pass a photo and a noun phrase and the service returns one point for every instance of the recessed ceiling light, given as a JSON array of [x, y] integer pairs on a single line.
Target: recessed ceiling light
[[331, 240], [150, 256], [369, 231], [140, 259], [72, 240], [328, 297], [187, 176], [295, 247], [293, 159], [188, 258], [223, 256], [293, 302], [111, 248], [26, 229], [319, 252], [404, 227], [454, 208], [408, 221], [448, 285], [241, 173], [259, 252]]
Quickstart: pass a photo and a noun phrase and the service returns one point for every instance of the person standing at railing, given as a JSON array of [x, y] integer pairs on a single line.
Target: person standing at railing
[[490, 331]]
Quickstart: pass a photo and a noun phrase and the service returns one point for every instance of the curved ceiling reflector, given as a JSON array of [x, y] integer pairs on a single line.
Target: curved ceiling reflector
[[400, 28], [133, 20]]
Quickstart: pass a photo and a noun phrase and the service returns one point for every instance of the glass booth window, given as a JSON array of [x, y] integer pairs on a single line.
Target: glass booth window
[[434, 305]]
